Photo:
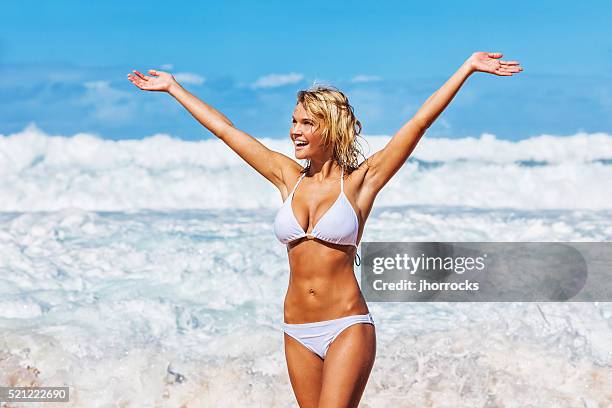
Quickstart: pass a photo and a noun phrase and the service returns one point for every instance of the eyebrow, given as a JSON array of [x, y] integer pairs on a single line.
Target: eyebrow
[[293, 117]]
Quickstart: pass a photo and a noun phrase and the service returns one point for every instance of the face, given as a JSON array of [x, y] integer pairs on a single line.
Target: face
[[305, 134]]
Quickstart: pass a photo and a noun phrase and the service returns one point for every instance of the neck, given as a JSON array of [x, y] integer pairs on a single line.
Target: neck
[[321, 169]]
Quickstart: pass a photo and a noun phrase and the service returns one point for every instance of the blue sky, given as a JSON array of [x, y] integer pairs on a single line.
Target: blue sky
[[63, 64]]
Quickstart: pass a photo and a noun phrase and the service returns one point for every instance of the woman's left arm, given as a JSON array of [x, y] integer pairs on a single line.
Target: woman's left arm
[[383, 164]]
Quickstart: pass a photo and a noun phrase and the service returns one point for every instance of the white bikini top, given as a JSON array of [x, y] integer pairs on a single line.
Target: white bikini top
[[339, 224]]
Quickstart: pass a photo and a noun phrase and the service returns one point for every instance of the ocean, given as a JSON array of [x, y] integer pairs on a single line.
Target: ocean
[[145, 273]]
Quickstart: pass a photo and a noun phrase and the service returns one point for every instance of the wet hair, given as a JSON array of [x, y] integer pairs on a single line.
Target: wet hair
[[341, 128]]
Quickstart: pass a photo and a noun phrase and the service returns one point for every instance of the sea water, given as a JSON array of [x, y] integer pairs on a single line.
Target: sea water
[[145, 273]]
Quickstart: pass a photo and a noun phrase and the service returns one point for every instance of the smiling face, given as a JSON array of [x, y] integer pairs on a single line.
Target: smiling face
[[306, 134]]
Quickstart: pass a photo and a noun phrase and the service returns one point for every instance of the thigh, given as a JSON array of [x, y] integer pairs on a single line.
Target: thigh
[[305, 372], [347, 366]]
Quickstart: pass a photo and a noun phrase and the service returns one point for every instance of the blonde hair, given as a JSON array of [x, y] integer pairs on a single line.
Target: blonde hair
[[331, 107]]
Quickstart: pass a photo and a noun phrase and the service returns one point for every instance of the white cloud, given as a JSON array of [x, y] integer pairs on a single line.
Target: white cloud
[[189, 78], [100, 85], [320, 82], [167, 66], [366, 78], [276, 80]]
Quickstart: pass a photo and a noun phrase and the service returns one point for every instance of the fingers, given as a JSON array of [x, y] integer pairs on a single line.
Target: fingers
[[507, 68], [506, 64], [131, 78], [510, 69], [153, 72], [144, 78], [137, 81], [507, 71]]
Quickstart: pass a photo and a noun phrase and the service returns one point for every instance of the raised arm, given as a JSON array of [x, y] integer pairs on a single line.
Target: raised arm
[[383, 164], [268, 163]]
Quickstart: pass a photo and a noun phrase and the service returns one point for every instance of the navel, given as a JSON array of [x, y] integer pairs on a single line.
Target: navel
[[311, 291]]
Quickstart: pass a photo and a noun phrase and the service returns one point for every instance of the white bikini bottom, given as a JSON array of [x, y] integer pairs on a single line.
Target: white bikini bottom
[[317, 336]]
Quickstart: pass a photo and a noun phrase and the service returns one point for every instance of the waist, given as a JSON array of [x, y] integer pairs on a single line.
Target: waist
[[322, 283], [310, 300]]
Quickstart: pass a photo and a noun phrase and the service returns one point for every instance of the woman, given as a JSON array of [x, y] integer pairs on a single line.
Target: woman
[[330, 339]]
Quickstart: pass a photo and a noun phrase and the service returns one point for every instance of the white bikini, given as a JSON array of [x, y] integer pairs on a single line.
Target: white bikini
[[318, 336], [339, 225]]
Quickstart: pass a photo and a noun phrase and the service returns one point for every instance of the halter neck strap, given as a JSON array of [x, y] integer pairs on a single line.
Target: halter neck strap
[[296, 184]]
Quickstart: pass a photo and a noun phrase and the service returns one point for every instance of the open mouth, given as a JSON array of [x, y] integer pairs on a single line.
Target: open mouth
[[300, 143]]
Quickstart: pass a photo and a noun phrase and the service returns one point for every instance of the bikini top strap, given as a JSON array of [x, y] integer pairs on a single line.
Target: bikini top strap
[[296, 184], [342, 180]]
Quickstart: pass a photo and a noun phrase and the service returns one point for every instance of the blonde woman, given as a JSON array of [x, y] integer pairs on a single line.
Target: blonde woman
[[329, 333]]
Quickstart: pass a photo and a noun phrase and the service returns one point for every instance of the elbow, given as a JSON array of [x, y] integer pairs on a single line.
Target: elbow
[[224, 130], [421, 123]]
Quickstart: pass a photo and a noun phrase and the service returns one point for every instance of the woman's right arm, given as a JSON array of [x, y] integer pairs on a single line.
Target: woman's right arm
[[268, 163], [208, 116]]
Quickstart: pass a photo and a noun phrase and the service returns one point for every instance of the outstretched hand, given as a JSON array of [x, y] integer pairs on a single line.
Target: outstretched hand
[[158, 81], [489, 62]]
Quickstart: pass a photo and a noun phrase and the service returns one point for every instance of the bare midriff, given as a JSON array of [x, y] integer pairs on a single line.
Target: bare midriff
[[322, 283]]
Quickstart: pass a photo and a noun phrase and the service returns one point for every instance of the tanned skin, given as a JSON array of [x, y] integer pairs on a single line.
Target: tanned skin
[[322, 284]]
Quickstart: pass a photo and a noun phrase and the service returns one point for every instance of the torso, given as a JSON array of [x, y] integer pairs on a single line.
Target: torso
[[322, 283]]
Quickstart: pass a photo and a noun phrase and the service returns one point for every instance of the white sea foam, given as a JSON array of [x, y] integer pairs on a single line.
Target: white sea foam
[[164, 309], [156, 303], [39, 172]]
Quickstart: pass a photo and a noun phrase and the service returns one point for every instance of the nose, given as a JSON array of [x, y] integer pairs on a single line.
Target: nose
[[296, 129]]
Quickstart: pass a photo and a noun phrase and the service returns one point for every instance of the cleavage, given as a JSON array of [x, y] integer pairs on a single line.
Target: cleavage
[[327, 206]]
